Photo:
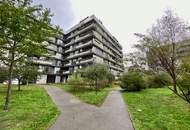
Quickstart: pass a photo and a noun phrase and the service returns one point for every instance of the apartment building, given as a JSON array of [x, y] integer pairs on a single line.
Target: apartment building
[[183, 48], [51, 67], [86, 43]]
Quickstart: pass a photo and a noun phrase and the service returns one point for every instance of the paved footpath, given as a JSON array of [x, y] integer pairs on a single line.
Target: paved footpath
[[75, 115]]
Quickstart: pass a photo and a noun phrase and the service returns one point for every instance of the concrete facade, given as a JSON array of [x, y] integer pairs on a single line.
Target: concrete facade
[[86, 43]]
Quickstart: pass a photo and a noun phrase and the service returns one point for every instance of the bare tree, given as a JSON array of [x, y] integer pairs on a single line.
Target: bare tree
[[161, 41], [135, 60]]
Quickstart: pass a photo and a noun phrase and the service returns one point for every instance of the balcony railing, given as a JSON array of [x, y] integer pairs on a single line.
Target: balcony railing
[[84, 37], [42, 62], [80, 54], [86, 61]]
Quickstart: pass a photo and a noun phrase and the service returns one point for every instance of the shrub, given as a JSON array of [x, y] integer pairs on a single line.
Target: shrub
[[132, 81], [97, 74], [158, 80], [76, 81]]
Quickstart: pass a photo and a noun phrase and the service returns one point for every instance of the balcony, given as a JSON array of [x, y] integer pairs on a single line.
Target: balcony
[[67, 64], [68, 50], [42, 62], [86, 61], [52, 47], [86, 28], [83, 37], [57, 56], [80, 54], [70, 43], [66, 72], [116, 67], [84, 45]]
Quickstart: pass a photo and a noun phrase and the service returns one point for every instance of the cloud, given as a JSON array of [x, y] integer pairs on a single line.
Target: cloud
[[123, 18], [62, 11]]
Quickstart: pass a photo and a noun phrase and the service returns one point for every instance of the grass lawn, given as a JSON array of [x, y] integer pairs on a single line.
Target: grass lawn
[[86, 94], [158, 109], [30, 109]]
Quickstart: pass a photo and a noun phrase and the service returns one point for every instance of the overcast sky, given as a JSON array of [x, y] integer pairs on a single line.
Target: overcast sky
[[122, 18]]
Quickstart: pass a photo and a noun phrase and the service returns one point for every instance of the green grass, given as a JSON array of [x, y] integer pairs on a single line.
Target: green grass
[[87, 95], [158, 109], [30, 109]]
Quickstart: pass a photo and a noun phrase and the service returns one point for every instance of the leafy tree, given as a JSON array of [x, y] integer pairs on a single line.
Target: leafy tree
[[25, 72], [160, 43], [23, 30], [76, 81], [3, 74], [97, 74], [135, 60]]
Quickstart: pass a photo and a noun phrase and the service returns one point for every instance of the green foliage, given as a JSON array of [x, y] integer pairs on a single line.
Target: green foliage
[[157, 109], [31, 109], [183, 81], [23, 30], [158, 80], [76, 81], [3, 74], [97, 74], [26, 71], [132, 81]]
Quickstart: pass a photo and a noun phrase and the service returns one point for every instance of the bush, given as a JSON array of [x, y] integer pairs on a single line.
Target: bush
[[158, 80], [98, 75], [132, 81], [76, 81]]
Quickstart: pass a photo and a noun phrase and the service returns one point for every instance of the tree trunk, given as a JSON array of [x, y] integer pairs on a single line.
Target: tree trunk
[[96, 85], [19, 80], [174, 67], [9, 87], [175, 85]]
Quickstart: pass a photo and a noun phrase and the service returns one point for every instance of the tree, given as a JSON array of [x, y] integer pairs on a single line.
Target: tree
[[23, 30], [161, 41], [184, 79], [97, 73], [25, 72], [3, 74], [135, 60]]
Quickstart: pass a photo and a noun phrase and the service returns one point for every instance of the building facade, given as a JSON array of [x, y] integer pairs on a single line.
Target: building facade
[[183, 48], [50, 67], [86, 43]]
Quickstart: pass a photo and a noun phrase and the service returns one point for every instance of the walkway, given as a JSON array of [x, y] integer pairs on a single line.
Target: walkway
[[75, 115]]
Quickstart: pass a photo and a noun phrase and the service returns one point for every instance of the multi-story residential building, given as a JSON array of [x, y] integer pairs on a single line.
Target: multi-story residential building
[[90, 42], [183, 48], [86, 43], [51, 67]]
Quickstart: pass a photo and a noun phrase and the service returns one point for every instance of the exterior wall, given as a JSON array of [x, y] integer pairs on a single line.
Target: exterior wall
[[42, 79], [96, 45], [51, 66], [57, 79], [183, 48], [98, 59], [86, 43]]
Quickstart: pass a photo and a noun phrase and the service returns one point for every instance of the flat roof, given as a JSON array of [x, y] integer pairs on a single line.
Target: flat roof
[[89, 18]]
